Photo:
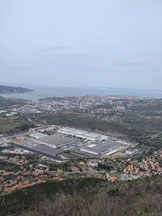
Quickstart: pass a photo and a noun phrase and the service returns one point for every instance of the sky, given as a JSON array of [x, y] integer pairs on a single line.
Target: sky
[[106, 43]]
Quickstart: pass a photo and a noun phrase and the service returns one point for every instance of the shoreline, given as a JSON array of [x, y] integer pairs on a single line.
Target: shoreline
[[42, 93]]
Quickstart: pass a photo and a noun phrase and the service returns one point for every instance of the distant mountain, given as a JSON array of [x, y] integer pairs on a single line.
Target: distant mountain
[[13, 90]]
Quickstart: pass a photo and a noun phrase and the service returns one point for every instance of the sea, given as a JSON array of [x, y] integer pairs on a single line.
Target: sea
[[44, 92]]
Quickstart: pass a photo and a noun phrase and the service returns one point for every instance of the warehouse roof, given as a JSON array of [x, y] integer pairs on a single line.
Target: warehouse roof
[[101, 148], [57, 140], [38, 135]]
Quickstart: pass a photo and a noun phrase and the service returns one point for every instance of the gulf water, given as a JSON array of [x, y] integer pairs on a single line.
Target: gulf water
[[43, 92]]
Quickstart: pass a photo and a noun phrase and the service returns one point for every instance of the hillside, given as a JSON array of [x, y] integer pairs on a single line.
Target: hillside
[[12, 90], [139, 197]]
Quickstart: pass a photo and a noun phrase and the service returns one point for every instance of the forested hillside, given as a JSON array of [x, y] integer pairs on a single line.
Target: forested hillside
[[86, 197]]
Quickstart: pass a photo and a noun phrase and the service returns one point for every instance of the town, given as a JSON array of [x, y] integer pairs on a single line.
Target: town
[[65, 137]]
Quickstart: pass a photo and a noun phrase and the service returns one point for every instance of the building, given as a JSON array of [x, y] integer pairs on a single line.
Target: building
[[102, 148], [37, 135], [131, 151], [56, 141], [85, 135]]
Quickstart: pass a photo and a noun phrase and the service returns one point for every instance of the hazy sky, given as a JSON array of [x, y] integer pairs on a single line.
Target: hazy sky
[[113, 43]]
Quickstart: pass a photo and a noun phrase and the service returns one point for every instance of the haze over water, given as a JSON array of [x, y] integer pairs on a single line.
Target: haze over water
[[43, 92]]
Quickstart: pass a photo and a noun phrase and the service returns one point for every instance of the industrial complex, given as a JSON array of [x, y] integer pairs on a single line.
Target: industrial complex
[[109, 147], [70, 139]]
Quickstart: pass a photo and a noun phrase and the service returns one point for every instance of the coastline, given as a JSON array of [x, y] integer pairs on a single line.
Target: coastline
[[45, 92]]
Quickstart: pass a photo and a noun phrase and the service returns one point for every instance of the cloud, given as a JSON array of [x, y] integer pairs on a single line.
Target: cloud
[[129, 64], [55, 48], [83, 19], [74, 55], [63, 52]]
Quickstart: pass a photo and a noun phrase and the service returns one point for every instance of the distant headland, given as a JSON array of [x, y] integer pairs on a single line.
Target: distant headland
[[13, 90]]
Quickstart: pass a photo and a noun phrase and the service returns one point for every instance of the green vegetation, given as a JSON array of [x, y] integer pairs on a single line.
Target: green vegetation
[[8, 166], [138, 197], [8, 103], [73, 120], [13, 126], [135, 131], [28, 198]]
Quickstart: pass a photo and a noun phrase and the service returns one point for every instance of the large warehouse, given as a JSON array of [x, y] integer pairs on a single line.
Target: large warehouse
[[88, 136], [101, 148], [56, 141]]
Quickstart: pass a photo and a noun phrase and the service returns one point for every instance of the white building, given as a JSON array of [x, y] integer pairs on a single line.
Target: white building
[[88, 136], [37, 135]]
